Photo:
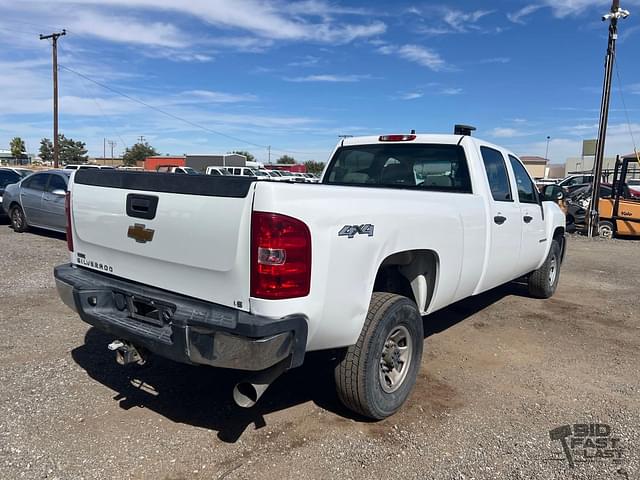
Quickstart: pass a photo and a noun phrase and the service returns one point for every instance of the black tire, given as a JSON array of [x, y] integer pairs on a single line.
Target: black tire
[[606, 229], [544, 281], [18, 220], [362, 369]]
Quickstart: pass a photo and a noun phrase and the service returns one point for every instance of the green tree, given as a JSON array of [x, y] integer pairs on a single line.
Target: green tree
[[286, 159], [46, 150], [17, 147], [250, 156], [71, 151], [314, 167], [138, 153]]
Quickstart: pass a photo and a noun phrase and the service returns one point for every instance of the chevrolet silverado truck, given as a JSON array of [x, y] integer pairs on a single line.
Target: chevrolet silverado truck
[[234, 273]]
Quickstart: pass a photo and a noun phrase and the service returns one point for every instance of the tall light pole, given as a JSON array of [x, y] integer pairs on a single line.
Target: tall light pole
[[546, 152], [613, 16], [54, 43]]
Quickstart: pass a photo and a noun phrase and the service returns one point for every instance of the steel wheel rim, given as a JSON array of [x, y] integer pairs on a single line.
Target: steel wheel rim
[[605, 231], [395, 359], [553, 270]]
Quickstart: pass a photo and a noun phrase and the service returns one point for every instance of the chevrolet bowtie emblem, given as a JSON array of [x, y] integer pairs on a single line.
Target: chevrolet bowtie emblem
[[140, 233]]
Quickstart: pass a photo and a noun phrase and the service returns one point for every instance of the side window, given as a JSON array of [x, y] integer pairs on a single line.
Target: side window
[[56, 182], [8, 177], [496, 174], [36, 182], [527, 192]]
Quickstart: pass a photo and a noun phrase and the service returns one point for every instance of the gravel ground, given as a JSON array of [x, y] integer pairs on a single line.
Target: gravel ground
[[499, 372]]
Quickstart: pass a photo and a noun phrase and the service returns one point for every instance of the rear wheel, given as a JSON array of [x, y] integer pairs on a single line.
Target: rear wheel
[[605, 229], [18, 220], [544, 281], [376, 375]]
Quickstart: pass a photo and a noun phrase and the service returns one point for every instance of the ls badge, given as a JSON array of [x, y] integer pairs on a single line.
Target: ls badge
[[140, 233]]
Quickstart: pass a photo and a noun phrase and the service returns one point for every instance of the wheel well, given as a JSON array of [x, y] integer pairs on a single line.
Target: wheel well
[[411, 273], [558, 235]]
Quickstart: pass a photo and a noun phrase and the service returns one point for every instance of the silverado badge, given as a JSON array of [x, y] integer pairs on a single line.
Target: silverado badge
[[140, 233]]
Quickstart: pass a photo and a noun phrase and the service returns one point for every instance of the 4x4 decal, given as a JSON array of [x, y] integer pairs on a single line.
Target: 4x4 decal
[[353, 230]]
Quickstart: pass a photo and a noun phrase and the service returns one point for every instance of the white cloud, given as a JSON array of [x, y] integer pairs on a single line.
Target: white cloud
[[331, 78], [123, 29], [269, 19], [519, 15], [451, 91], [218, 97], [411, 95], [563, 9], [618, 142], [505, 132], [449, 20], [417, 54]]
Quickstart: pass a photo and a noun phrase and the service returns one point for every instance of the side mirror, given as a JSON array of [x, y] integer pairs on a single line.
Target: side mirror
[[552, 193], [58, 192]]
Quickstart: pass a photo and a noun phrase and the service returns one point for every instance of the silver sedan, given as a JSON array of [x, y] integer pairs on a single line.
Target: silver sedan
[[37, 201]]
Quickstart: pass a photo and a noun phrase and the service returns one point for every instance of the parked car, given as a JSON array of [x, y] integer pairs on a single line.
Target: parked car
[[292, 177], [217, 171], [176, 169], [268, 271], [38, 200], [248, 172], [574, 182], [9, 176]]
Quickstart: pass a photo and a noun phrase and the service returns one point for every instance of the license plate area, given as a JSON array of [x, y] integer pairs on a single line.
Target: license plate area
[[145, 309]]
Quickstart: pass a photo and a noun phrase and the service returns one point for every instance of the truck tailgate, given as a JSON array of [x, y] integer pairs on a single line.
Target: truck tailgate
[[188, 234]]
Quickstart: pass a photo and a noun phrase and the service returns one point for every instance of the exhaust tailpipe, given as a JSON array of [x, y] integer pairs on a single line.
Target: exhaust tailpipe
[[246, 394]]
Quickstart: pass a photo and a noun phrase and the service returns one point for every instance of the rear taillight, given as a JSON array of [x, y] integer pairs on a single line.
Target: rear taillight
[[280, 257], [67, 213]]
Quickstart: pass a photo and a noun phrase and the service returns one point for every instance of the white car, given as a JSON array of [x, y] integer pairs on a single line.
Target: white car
[[217, 171], [401, 226]]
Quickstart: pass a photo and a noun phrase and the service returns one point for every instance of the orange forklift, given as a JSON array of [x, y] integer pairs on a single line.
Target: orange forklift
[[620, 215]]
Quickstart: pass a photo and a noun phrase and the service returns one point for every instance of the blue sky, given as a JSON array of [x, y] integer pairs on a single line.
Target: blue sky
[[295, 75]]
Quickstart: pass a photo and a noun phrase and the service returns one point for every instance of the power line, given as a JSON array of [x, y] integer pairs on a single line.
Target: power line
[[175, 117]]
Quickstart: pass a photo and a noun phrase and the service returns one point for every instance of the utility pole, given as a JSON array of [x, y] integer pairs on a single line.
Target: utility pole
[[111, 144], [54, 43], [613, 16], [269, 149], [104, 147], [141, 139]]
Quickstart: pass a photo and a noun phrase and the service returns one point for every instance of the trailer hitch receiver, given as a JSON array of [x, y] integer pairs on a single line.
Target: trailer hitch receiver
[[127, 353]]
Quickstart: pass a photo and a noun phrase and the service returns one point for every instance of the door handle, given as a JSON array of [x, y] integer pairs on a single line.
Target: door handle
[[527, 218], [499, 219]]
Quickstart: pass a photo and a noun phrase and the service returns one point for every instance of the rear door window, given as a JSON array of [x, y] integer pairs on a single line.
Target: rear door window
[[36, 182], [497, 175]]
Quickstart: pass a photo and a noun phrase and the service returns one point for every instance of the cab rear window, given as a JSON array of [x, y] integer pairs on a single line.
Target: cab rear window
[[421, 167]]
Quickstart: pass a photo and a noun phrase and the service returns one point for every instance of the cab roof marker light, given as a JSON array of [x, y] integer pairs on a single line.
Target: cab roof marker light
[[396, 138]]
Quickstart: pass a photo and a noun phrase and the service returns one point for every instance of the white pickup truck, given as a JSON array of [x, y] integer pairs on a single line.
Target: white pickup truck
[[235, 273]]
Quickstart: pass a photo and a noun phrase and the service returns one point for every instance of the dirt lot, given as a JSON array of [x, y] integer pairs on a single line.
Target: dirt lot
[[500, 371]]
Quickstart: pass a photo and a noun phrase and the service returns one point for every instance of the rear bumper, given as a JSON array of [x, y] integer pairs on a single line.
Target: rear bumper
[[187, 330]]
